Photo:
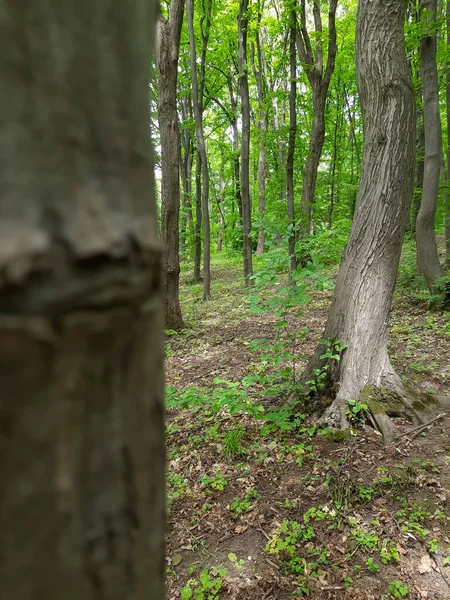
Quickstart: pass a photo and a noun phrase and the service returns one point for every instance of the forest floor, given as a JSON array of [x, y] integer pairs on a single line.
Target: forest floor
[[263, 505]]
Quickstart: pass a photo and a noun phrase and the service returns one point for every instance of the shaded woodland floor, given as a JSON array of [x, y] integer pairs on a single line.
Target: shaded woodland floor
[[262, 509]]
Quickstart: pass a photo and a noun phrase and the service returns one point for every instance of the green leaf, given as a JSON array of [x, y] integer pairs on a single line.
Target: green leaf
[[232, 557]]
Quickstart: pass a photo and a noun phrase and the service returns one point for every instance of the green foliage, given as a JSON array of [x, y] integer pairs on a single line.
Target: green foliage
[[206, 587], [243, 505], [398, 589], [355, 412]]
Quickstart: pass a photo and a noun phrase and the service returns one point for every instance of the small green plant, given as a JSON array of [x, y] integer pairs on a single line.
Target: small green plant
[[206, 587], [356, 411], [366, 541], [232, 442], [388, 552], [397, 589], [372, 566], [291, 534], [366, 494], [433, 546], [215, 483], [240, 506]]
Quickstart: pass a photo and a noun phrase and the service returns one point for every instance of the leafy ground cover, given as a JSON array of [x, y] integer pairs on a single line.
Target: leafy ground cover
[[264, 503]]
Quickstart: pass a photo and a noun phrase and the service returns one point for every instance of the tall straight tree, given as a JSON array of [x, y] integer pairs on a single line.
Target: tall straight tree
[[245, 147], [365, 283], [311, 56], [427, 254], [167, 50], [201, 154], [447, 192], [261, 87], [81, 329], [292, 135]]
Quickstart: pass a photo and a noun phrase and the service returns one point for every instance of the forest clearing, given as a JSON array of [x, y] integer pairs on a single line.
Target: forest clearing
[[271, 505]]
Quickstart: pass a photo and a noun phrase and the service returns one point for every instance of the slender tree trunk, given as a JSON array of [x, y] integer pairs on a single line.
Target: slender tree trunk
[[418, 183], [167, 49], [245, 152], [198, 216], [319, 80], [187, 225], [333, 172], [292, 140], [262, 128], [81, 350], [427, 254], [365, 283], [201, 154], [221, 203], [447, 190]]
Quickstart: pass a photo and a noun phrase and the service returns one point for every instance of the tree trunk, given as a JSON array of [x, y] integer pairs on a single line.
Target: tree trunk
[[262, 127], [334, 158], [447, 190], [427, 254], [319, 80], [292, 140], [365, 284], [245, 151], [201, 153], [419, 171], [187, 226], [221, 203], [167, 49], [198, 216], [81, 351]]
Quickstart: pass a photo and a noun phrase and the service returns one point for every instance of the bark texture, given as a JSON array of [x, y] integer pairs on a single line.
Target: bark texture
[[319, 79], [427, 254], [167, 49], [81, 350], [365, 284], [245, 148]]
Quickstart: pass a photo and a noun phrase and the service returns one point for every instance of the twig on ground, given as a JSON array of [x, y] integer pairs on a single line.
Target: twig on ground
[[418, 430]]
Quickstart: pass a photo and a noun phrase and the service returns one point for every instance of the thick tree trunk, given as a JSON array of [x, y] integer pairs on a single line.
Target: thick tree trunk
[[245, 151], [81, 350], [292, 140], [167, 48], [427, 254], [365, 284], [201, 153]]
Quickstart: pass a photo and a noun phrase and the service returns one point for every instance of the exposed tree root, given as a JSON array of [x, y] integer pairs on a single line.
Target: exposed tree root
[[383, 403]]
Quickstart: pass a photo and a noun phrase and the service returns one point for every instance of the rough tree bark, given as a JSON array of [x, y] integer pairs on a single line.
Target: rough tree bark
[[319, 80], [201, 153], [365, 284], [292, 138], [245, 149], [167, 50], [427, 254], [81, 350]]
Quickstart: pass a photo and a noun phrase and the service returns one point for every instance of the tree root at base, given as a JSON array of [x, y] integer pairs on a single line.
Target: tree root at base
[[420, 408]]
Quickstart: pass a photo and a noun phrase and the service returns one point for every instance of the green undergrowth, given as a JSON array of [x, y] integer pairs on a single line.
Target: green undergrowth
[[257, 491]]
